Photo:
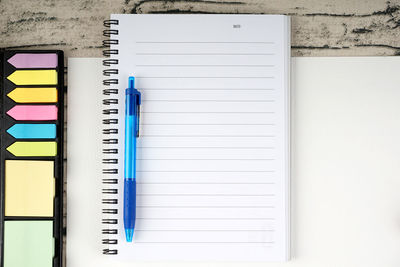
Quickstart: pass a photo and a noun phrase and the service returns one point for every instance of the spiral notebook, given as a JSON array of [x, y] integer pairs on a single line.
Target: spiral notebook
[[213, 155]]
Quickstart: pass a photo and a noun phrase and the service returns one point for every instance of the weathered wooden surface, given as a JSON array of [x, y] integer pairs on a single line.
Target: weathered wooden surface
[[319, 28]]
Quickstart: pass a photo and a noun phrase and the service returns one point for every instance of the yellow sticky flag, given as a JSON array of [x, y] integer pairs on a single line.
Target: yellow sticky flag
[[33, 149], [34, 95], [29, 188], [33, 77]]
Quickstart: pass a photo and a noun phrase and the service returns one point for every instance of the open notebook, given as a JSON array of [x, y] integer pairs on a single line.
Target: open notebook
[[213, 155]]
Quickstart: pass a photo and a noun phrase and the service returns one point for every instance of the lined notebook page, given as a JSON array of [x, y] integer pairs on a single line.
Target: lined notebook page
[[212, 167]]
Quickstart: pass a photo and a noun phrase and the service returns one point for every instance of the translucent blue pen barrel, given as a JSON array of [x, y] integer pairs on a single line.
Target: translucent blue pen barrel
[[130, 135], [131, 120]]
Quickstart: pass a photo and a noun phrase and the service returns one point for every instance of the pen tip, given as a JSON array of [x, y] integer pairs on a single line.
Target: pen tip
[[129, 235], [131, 82]]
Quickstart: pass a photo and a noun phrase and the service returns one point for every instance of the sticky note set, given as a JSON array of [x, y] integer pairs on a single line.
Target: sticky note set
[[29, 188], [28, 244], [31, 158]]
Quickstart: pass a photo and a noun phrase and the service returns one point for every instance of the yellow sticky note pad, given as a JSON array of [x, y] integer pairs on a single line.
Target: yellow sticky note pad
[[29, 188], [34, 95], [33, 77]]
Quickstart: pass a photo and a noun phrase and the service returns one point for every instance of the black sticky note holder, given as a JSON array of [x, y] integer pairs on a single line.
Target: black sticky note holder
[[6, 86]]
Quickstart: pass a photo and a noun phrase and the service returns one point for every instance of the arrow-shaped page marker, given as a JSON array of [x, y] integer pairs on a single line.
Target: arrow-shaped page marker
[[33, 77], [36, 60], [33, 149], [33, 113], [34, 95], [33, 131]]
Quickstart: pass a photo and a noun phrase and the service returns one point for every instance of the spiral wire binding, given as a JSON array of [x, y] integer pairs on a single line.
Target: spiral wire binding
[[110, 139]]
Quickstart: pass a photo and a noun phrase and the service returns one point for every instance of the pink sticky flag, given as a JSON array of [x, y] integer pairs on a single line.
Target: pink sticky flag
[[36, 60], [33, 113]]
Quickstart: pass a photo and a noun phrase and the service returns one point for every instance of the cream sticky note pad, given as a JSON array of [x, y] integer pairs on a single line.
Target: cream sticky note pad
[[29, 188], [28, 244]]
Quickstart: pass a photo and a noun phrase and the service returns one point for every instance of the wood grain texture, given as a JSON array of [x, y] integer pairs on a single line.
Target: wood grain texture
[[319, 28]]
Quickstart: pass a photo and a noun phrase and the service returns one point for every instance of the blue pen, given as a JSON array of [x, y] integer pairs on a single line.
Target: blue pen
[[132, 114]]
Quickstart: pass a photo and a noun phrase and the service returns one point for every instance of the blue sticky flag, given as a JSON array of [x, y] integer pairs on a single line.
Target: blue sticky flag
[[33, 131]]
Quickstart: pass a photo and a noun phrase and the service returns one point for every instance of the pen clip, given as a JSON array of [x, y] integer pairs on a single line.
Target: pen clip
[[138, 102]]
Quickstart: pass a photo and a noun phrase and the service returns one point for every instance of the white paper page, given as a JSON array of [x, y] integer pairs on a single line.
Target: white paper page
[[345, 130], [212, 171], [84, 162]]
